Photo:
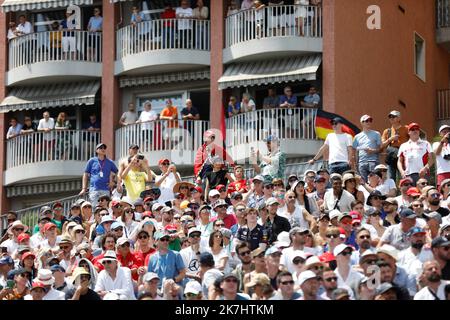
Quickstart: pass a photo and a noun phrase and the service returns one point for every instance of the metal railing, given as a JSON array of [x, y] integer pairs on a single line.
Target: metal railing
[[274, 21], [285, 123], [30, 216], [442, 13], [443, 104], [161, 135], [162, 34], [75, 145], [55, 46]]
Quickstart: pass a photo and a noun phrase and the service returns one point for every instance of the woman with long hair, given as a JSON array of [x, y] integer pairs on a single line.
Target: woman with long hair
[[78, 235], [350, 184], [129, 222], [64, 137], [27, 262], [219, 253], [320, 236]]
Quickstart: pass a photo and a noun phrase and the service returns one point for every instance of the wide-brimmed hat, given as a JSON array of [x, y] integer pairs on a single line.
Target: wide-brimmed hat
[[176, 187], [45, 277], [15, 224]]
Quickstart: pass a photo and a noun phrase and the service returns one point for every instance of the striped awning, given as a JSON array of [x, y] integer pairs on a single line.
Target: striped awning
[[50, 96], [271, 71], [43, 188], [23, 5], [165, 78]]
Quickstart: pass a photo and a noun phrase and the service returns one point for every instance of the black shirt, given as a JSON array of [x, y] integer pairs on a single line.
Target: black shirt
[[32, 127], [216, 178], [446, 271], [442, 211], [90, 295], [253, 237], [274, 228], [192, 111]]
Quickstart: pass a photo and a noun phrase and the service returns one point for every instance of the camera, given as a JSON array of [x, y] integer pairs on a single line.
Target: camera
[[446, 157], [140, 157]]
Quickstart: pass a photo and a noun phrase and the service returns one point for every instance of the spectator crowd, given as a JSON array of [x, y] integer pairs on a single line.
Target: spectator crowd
[[370, 225]]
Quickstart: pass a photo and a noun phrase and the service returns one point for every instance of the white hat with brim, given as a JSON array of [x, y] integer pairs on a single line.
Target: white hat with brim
[[389, 250], [110, 255], [45, 277], [305, 276], [340, 248], [445, 126], [15, 224], [311, 261]]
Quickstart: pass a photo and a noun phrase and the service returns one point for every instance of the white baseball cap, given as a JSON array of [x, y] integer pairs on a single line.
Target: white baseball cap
[[193, 287], [365, 118], [213, 193], [305, 276], [445, 126]]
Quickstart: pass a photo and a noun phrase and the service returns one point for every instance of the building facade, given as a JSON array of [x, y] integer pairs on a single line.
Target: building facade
[[360, 58]]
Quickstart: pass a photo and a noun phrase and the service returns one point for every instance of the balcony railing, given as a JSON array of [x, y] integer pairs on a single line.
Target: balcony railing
[[71, 145], [285, 123], [443, 104], [161, 135], [49, 46], [188, 34], [442, 13], [274, 21]]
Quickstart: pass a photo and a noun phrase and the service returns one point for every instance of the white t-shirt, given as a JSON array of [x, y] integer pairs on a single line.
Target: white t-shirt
[[208, 279], [187, 13], [146, 116], [386, 186], [344, 204], [166, 187], [217, 257], [338, 145], [296, 218], [50, 124], [442, 165], [190, 259], [121, 285], [415, 155], [425, 293], [11, 245]]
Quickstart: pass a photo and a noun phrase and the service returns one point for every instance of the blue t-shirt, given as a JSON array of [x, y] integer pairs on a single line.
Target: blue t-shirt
[[291, 100], [94, 167], [369, 139], [314, 99], [237, 107], [95, 23], [166, 266]]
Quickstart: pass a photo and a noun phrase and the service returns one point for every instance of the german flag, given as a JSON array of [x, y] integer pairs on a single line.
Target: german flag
[[323, 125]]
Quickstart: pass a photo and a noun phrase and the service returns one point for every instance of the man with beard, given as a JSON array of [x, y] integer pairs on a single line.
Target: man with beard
[[412, 258], [434, 201], [441, 252], [434, 289], [286, 286], [397, 234], [363, 240], [246, 266], [329, 281], [387, 274]]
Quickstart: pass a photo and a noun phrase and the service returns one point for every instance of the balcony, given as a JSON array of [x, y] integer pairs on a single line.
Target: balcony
[[54, 155], [273, 32], [295, 127], [157, 140], [42, 55], [443, 23], [164, 45]]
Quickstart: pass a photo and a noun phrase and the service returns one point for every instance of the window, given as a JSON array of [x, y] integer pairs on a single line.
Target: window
[[419, 56]]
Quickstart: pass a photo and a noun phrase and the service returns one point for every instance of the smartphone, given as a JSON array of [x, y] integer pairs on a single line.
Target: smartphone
[[140, 157], [10, 284], [4, 250]]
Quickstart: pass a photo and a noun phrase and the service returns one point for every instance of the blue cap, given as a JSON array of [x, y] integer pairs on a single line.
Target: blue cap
[[337, 120], [13, 273], [57, 267], [6, 260], [159, 235], [107, 219], [207, 259], [407, 213], [116, 225], [272, 250], [416, 230], [99, 230]]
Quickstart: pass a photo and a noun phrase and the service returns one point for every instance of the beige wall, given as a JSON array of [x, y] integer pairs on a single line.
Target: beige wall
[[367, 71]]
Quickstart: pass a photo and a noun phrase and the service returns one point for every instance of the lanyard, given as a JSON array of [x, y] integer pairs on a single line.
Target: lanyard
[[101, 166]]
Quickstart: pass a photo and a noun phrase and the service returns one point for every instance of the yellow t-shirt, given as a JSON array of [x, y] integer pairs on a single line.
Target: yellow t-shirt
[[135, 183]]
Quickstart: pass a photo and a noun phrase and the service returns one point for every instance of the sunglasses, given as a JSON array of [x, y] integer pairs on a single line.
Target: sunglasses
[[220, 225], [64, 247], [285, 283], [346, 253], [406, 184], [317, 268], [125, 245], [223, 190], [128, 211], [165, 163], [194, 236], [147, 203], [417, 205], [332, 236], [298, 261], [231, 280], [245, 253], [218, 236], [87, 207], [371, 261], [19, 229], [222, 206], [184, 188], [191, 295], [367, 121], [177, 218], [194, 207], [423, 183], [291, 197], [435, 195], [143, 237], [106, 262], [80, 231], [240, 210], [268, 186], [330, 279], [165, 239], [11, 220], [364, 237]]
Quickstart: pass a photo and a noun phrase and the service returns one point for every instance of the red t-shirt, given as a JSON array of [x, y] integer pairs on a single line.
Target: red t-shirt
[[229, 220], [131, 261], [144, 256], [239, 186], [168, 14], [96, 262]]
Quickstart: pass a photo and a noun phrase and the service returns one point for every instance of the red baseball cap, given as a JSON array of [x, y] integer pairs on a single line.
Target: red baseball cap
[[220, 186], [327, 257], [170, 227], [148, 199], [404, 180], [342, 233], [22, 237], [413, 125], [37, 285], [413, 192], [163, 160], [199, 189], [356, 221], [48, 226], [114, 203], [147, 214], [355, 215], [28, 254]]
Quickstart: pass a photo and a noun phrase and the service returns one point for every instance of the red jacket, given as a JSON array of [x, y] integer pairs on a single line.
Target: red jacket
[[131, 261]]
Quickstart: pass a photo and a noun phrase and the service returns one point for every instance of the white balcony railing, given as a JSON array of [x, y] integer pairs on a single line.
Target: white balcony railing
[[74, 145], [274, 21], [188, 34], [161, 135], [49, 46], [285, 123]]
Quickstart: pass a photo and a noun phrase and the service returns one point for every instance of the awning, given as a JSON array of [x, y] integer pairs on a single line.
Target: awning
[[165, 78], [22, 5], [43, 188], [271, 71], [49, 96]]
